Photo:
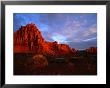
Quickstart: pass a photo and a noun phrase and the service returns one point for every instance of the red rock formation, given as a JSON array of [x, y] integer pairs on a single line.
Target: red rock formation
[[29, 39], [92, 50]]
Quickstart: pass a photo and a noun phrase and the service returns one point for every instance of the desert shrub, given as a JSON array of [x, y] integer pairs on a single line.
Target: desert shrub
[[40, 61]]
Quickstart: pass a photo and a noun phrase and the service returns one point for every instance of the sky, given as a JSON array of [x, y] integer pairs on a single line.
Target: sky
[[78, 30]]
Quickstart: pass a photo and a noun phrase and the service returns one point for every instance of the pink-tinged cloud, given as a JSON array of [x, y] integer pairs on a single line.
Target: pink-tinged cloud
[[90, 32]]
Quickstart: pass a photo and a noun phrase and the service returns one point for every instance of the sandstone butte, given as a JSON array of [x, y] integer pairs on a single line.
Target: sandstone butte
[[29, 39], [92, 50]]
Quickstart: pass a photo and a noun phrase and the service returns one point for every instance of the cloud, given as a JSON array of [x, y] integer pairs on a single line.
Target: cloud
[[58, 37], [61, 27], [83, 45], [90, 39], [89, 32]]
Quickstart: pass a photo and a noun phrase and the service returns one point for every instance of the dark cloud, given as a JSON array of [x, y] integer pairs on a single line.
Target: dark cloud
[[83, 45]]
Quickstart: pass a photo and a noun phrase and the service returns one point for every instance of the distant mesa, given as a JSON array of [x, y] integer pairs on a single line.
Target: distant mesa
[[28, 39], [92, 50]]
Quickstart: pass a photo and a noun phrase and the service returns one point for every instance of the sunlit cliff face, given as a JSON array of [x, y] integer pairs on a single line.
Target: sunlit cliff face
[[75, 29]]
